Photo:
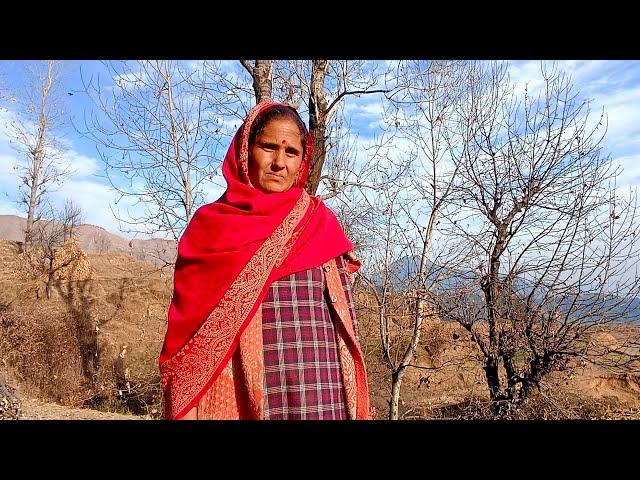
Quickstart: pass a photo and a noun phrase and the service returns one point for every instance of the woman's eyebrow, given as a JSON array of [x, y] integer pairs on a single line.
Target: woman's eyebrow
[[292, 150], [272, 144]]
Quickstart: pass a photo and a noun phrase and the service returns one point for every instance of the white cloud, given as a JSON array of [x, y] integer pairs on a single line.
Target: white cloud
[[587, 75], [596, 72], [9, 207], [630, 174], [612, 85], [96, 201], [622, 110], [7, 164], [526, 74], [365, 111], [81, 165]]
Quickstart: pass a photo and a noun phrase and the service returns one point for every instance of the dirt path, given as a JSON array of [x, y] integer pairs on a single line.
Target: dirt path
[[37, 410]]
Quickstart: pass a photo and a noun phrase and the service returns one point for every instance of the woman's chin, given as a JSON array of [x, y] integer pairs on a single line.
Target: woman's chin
[[274, 186]]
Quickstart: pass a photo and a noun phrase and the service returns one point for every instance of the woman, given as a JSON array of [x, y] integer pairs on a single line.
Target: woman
[[260, 324]]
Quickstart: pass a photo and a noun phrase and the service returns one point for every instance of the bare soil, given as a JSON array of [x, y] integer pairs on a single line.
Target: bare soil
[[33, 409]]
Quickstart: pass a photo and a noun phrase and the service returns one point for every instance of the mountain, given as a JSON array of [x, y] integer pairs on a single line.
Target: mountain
[[94, 239], [407, 267]]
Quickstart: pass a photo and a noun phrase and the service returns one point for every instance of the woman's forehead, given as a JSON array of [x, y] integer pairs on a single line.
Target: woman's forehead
[[282, 130]]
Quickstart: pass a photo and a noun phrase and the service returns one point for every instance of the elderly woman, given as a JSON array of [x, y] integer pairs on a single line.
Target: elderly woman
[[261, 324]]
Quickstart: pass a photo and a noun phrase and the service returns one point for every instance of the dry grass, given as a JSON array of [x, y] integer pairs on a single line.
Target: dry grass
[[451, 382], [42, 350], [95, 342]]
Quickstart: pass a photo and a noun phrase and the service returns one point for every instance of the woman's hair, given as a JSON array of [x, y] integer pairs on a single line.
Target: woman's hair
[[278, 112]]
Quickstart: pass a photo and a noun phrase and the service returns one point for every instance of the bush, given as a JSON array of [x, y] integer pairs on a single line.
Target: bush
[[47, 351], [41, 348]]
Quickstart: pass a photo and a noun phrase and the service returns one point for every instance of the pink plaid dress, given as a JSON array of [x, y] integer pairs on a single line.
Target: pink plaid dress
[[302, 379]]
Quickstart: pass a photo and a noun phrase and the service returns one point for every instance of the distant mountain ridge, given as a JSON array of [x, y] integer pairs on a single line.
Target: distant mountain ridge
[[407, 268], [95, 239]]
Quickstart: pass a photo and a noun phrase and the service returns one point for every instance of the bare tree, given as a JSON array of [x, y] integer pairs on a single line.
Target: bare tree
[[40, 110], [324, 84], [554, 242], [230, 94], [424, 98], [71, 218], [414, 179], [154, 125]]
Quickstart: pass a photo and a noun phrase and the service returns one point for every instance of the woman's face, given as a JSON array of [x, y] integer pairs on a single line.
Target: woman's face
[[276, 156]]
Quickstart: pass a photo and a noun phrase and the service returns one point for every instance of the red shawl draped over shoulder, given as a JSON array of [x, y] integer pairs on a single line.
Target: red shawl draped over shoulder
[[229, 254]]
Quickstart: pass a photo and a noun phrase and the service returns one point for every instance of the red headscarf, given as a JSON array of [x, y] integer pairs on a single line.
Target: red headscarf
[[218, 245]]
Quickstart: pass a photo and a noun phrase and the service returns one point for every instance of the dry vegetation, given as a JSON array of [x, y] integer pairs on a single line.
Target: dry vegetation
[[447, 379], [96, 341]]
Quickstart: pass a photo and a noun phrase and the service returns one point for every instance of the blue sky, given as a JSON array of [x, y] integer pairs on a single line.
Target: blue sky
[[614, 85]]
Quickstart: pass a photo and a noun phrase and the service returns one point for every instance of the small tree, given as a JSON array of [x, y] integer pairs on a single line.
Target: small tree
[[71, 218], [50, 233], [408, 181], [554, 242], [420, 120], [40, 111]]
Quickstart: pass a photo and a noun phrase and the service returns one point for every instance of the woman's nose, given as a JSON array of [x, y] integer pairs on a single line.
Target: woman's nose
[[279, 159]]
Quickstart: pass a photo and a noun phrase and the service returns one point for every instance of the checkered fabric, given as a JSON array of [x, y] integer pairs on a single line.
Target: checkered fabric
[[301, 362]]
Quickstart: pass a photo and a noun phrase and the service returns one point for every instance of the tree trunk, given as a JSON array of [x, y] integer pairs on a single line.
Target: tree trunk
[[263, 80], [187, 199], [318, 107], [28, 235], [262, 74], [50, 272], [537, 370], [512, 376], [37, 155], [490, 290], [396, 383], [493, 380]]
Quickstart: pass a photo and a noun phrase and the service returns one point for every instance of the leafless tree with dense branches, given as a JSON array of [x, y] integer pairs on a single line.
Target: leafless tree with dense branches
[[554, 242], [40, 111], [159, 139], [409, 180]]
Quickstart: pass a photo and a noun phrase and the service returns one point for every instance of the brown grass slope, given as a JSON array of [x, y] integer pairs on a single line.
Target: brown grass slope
[[95, 343], [449, 381]]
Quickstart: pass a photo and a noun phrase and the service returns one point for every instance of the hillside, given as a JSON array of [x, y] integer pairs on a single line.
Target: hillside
[[94, 239], [94, 343], [90, 352]]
